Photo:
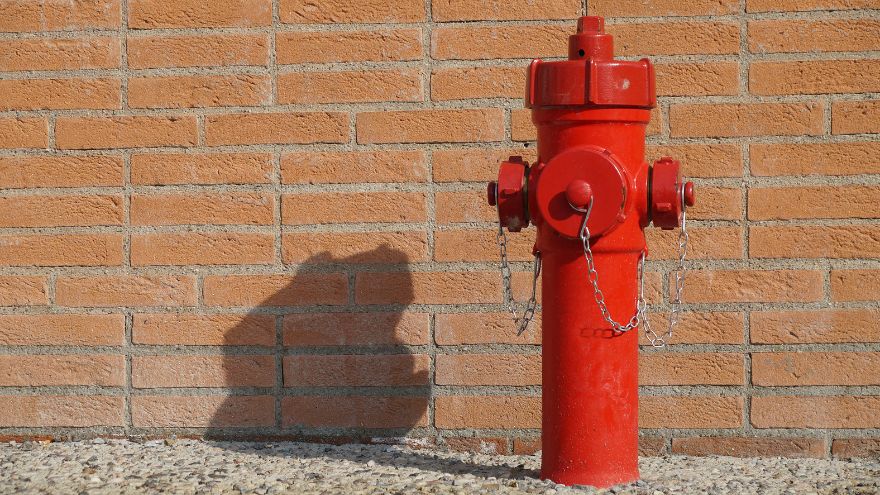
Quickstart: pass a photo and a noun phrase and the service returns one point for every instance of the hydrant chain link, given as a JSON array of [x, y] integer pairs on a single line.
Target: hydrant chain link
[[521, 323], [640, 318], [661, 340], [593, 277]]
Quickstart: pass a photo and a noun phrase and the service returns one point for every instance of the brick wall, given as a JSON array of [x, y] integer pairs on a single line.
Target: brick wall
[[266, 217]]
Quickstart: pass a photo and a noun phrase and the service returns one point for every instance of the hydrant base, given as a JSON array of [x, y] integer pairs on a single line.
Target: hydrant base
[[599, 480]]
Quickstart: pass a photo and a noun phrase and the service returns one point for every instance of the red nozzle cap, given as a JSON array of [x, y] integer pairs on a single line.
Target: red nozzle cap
[[492, 193], [689, 198], [579, 194]]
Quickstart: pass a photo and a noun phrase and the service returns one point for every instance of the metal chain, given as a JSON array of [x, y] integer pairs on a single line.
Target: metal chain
[[661, 340], [522, 323], [640, 317]]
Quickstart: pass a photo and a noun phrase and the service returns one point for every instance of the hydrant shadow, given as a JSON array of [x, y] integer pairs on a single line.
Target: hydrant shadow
[[333, 353]]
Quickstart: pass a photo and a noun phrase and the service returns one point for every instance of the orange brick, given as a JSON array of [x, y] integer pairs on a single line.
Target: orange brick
[[342, 12], [354, 411], [855, 285], [372, 207], [427, 288], [497, 412], [152, 14], [60, 171], [747, 119], [354, 247], [224, 208], [652, 446], [702, 160], [202, 248], [773, 203], [355, 329], [474, 164], [61, 410], [477, 82], [389, 45], [788, 369], [675, 38], [201, 329], [373, 370], [697, 79], [431, 126], [463, 207], [857, 241], [488, 369], [750, 447], [497, 10], [199, 91], [276, 290], [26, 54], [611, 8], [201, 168], [828, 326], [62, 329], [690, 412], [60, 94], [705, 286], [855, 117], [79, 15], [804, 5], [125, 290], [483, 328], [699, 328], [56, 370], [125, 132], [719, 203], [60, 211], [815, 412], [521, 126], [20, 290], [855, 447], [202, 411], [276, 128], [480, 245], [691, 368], [344, 167], [814, 77], [23, 132], [813, 35], [202, 371], [483, 445], [61, 249], [526, 446], [208, 50], [703, 243], [849, 158], [491, 42], [350, 86]]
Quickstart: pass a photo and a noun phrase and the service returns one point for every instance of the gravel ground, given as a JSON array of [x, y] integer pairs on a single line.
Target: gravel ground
[[190, 466]]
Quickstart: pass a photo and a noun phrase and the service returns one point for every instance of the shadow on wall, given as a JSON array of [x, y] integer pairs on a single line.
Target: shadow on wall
[[349, 363]]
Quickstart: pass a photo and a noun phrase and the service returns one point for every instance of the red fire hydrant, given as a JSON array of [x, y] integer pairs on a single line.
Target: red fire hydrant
[[590, 194]]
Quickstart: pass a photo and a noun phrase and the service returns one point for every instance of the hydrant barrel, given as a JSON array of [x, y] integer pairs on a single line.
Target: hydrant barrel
[[590, 194]]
